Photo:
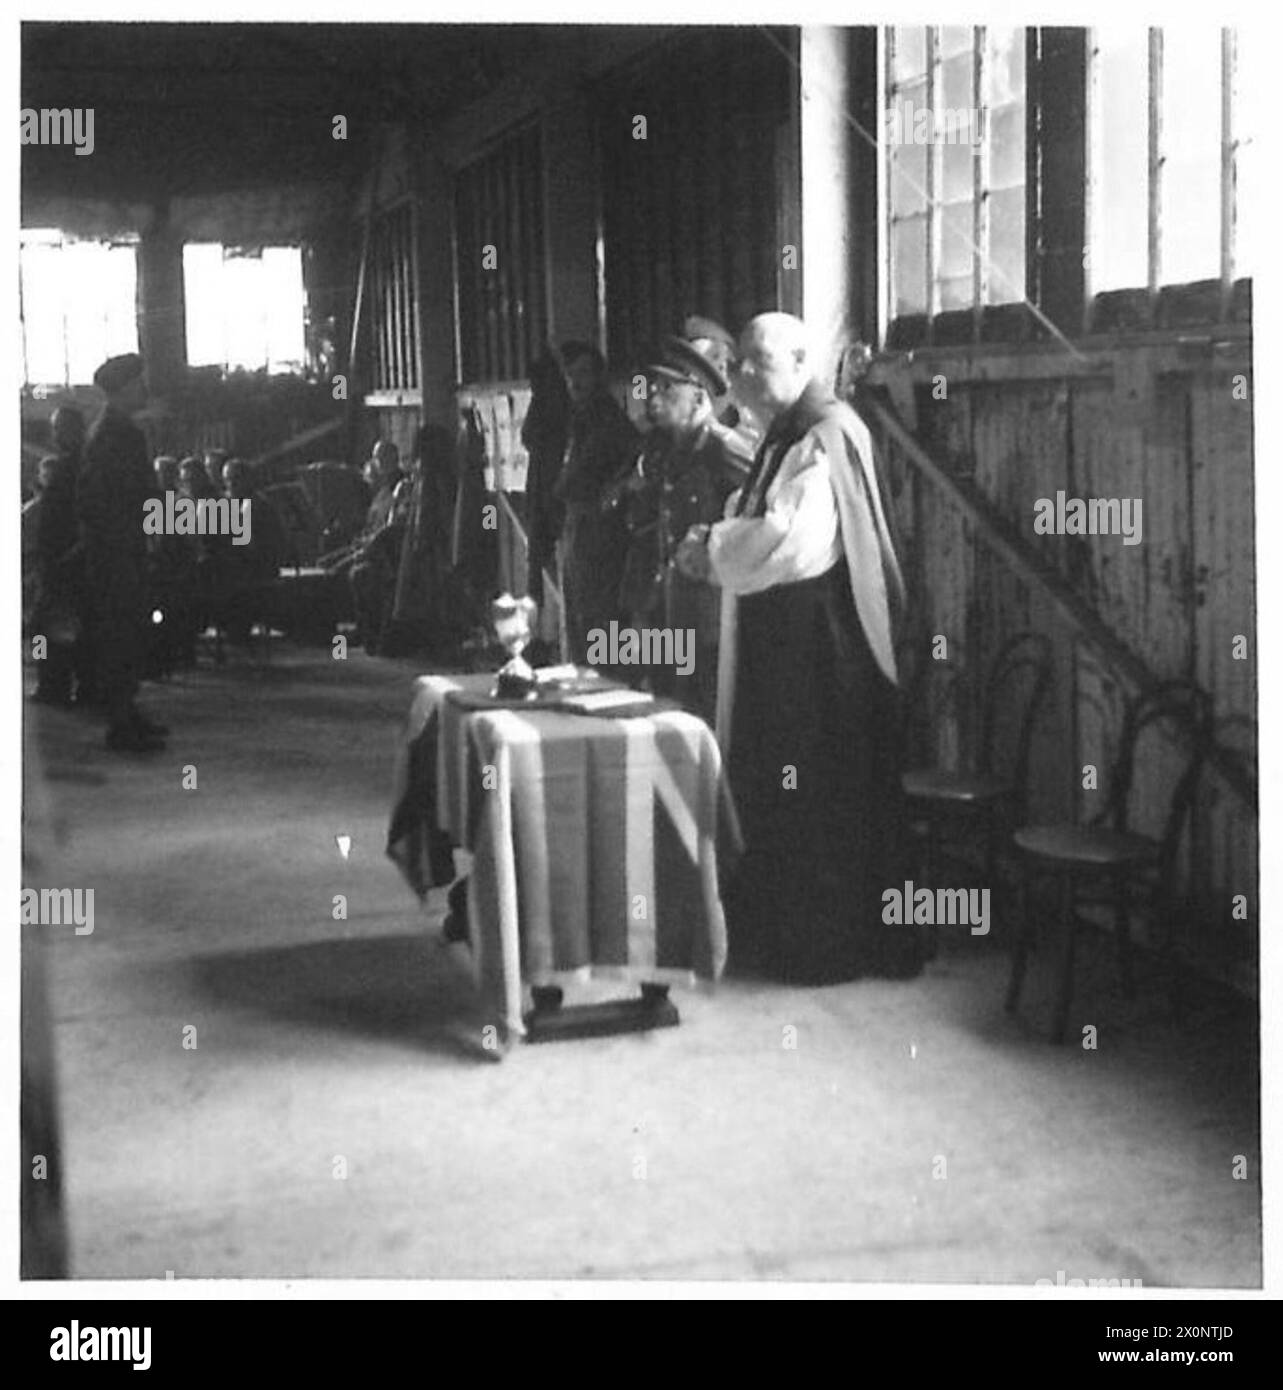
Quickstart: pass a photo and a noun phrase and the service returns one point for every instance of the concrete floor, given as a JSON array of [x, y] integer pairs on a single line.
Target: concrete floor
[[914, 1133]]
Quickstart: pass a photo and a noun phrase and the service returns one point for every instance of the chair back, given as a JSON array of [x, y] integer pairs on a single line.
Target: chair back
[[1018, 681], [1191, 707]]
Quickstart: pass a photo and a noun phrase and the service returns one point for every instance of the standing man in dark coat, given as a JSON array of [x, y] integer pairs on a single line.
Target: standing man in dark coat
[[602, 445], [807, 553], [543, 432], [116, 483]]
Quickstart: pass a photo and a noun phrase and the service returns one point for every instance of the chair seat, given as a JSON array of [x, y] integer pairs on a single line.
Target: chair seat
[[934, 784], [1077, 844]]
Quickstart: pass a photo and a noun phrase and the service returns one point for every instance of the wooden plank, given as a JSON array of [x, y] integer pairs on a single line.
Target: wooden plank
[[1224, 543], [297, 441], [1066, 605], [1224, 568]]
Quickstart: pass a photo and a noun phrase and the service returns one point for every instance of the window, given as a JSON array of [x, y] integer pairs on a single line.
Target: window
[[499, 251], [77, 306], [1171, 164], [244, 308], [955, 141], [392, 303]]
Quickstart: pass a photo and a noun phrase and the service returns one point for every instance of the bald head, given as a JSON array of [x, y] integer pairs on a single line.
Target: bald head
[[775, 364]]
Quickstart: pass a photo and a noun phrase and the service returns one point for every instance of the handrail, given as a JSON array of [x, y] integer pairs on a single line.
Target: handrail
[[307, 436], [1073, 611]]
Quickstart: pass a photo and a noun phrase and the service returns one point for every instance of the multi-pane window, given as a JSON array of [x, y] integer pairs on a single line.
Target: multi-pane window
[[77, 306], [499, 256], [1171, 162], [954, 135], [244, 308], [392, 302]]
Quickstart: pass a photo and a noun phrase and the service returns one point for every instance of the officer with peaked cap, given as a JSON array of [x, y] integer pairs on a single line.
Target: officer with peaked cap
[[683, 479], [116, 483]]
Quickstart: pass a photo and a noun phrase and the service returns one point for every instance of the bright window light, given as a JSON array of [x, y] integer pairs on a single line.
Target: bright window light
[[244, 309], [78, 306]]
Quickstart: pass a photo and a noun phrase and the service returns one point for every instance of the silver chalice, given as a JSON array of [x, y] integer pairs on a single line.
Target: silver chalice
[[513, 620]]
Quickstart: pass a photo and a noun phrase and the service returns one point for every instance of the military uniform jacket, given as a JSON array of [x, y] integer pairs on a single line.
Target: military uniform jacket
[[686, 484]]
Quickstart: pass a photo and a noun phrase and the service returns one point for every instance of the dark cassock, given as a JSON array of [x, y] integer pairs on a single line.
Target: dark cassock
[[116, 482], [602, 445], [809, 708]]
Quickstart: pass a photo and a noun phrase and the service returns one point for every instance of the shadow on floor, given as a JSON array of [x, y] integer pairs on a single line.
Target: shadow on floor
[[402, 989]]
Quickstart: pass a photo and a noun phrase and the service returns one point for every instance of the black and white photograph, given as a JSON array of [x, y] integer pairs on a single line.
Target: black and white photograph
[[639, 656]]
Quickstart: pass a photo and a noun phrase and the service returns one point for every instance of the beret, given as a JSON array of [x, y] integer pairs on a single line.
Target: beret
[[117, 372], [696, 327]]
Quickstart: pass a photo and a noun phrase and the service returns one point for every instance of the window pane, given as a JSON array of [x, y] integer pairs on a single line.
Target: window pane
[[957, 86], [202, 286], [956, 240], [43, 319], [956, 38], [245, 322], [908, 158], [1006, 129], [1191, 150], [1119, 236], [910, 58], [284, 297], [959, 178], [909, 181], [957, 293], [909, 257], [1004, 66], [1007, 246], [1252, 191]]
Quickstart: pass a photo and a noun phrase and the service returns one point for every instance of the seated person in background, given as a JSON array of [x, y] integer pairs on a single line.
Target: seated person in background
[[166, 466], [250, 565], [193, 481], [214, 461], [372, 561]]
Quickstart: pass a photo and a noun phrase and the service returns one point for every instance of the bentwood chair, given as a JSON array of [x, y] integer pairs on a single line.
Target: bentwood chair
[[1107, 851], [994, 793]]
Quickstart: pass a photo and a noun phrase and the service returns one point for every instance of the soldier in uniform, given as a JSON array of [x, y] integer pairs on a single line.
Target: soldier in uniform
[[116, 483], [681, 480], [736, 429]]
